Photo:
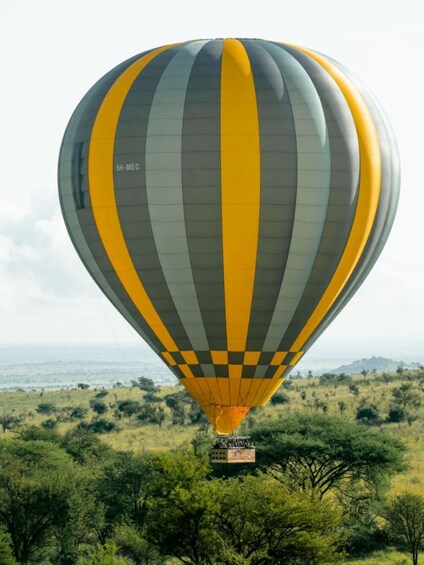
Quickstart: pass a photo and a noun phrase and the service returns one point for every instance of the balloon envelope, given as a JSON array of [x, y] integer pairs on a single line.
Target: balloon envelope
[[229, 197]]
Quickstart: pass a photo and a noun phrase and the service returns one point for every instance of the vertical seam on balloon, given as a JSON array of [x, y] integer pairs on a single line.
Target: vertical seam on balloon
[[100, 173], [306, 103], [75, 229], [156, 185], [364, 269], [369, 191], [240, 178], [321, 89]]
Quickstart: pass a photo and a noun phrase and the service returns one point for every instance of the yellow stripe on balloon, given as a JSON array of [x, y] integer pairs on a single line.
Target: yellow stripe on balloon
[[369, 194], [102, 195], [240, 189]]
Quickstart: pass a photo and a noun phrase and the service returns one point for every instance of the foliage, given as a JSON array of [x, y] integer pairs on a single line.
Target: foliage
[[322, 453], [128, 407], [85, 447], [368, 414], [250, 520], [406, 397], [98, 406], [146, 384], [396, 414], [405, 523], [10, 422], [6, 554], [99, 426], [42, 494], [46, 408], [78, 413], [102, 555], [49, 424], [335, 379], [280, 398], [133, 544], [151, 413], [123, 488]]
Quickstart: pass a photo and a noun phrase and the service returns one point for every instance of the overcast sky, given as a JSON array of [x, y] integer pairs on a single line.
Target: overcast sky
[[52, 51]]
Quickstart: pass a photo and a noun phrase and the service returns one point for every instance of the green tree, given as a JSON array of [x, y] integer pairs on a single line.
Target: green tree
[[44, 497], [102, 555], [342, 406], [405, 523], [181, 524], [406, 397], [253, 520], [354, 389], [133, 544], [324, 453], [10, 422], [85, 447], [263, 522], [158, 416], [124, 490], [6, 554]]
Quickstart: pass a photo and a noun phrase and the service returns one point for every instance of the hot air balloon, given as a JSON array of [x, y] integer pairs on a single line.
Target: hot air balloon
[[229, 197]]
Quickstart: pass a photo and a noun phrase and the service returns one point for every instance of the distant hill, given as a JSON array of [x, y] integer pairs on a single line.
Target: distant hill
[[373, 363]]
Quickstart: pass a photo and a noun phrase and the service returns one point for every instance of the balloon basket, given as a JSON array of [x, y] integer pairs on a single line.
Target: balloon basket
[[233, 449]]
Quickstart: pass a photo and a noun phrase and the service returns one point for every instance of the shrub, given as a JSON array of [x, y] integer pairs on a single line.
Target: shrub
[[396, 414], [49, 424], [46, 408], [368, 414], [99, 406], [99, 426], [128, 407], [78, 413], [280, 398]]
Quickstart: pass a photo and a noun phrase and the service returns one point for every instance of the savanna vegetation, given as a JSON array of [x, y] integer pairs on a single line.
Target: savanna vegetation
[[122, 476]]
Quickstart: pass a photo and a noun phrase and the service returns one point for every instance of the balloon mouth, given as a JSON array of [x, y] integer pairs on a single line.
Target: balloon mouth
[[225, 419]]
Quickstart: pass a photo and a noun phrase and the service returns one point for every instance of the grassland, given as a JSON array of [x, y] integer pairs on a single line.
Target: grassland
[[300, 395]]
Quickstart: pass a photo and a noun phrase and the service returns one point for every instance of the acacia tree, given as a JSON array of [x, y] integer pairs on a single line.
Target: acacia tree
[[326, 454], [405, 523]]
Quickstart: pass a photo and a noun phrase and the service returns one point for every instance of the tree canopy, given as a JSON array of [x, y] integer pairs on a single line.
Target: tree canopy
[[324, 454]]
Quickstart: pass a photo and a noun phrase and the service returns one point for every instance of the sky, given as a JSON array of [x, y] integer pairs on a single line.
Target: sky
[[52, 52]]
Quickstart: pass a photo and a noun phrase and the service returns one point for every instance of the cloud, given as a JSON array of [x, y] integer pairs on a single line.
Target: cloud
[[37, 261]]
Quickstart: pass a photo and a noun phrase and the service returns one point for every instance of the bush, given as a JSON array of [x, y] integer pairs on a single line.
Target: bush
[[46, 408], [49, 424], [99, 426], [143, 383], [78, 413], [99, 406], [396, 414], [128, 407], [280, 398], [368, 414]]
